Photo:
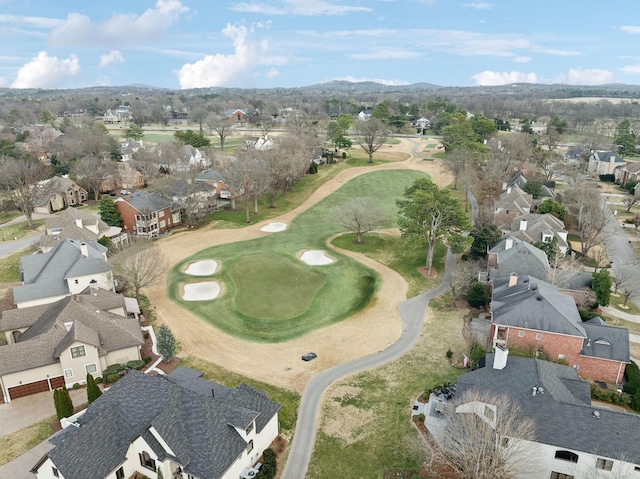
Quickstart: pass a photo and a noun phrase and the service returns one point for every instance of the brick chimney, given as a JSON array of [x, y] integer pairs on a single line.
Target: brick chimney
[[513, 279], [84, 249]]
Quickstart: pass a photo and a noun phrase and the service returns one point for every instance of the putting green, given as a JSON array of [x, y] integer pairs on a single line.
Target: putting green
[[259, 296], [269, 294]]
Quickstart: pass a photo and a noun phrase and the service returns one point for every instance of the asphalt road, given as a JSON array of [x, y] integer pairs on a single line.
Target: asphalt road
[[412, 314]]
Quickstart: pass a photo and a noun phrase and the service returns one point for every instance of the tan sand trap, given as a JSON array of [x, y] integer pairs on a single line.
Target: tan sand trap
[[202, 268], [316, 257], [201, 291], [274, 227]]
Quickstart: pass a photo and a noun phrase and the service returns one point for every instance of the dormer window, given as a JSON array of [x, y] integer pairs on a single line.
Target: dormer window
[[249, 429]]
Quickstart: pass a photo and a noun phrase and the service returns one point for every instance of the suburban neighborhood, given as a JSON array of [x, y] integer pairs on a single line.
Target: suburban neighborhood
[[226, 291]]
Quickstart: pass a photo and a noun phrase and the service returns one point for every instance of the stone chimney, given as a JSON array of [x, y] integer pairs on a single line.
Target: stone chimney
[[500, 358], [508, 244], [523, 225], [513, 279], [84, 249]]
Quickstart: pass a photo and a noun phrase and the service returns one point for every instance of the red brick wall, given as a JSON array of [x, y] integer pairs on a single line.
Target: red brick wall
[[554, 345], [128, 214]]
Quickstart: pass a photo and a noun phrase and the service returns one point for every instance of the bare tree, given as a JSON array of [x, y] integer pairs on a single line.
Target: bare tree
[[91, 171], [370, 135], [626, 282], [359, 215], [629, 202], [459, 280], [487, 436], [222, 126], [139, 265], [588, 216], [25, 177]]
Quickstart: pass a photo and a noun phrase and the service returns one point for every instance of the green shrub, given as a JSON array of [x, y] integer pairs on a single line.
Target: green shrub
[[112, 378], [99, 379], [449, 353], [477, 296], [608, 178], [136, 364], [344, 155], [632, 376], [477, 353], [147, 359], [269, 466], [76, 385], [421, 417], [93, 390], [587, 315]]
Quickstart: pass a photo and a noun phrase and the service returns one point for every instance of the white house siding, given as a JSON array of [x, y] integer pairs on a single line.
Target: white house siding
[[77, 365], [78, 284], [45, 471], [31, 375], [543, 463], [39, 301], [120, 356]]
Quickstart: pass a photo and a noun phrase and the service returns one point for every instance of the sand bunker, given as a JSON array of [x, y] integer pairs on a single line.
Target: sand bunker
[[316, 257], [274, 227], [201, 291], [202, 268]]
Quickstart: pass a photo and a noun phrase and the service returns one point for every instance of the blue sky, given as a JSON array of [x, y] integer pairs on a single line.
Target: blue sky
[[289, 43]]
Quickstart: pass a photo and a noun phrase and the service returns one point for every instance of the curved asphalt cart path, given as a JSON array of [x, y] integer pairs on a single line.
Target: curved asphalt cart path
[[412, 314]]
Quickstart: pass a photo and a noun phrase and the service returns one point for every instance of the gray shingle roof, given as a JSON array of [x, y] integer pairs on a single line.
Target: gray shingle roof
[[195, 425], [535, 304], [515, 200], [69, 217], [537, 225], [521, 258], [145, 202], [563, 414], [47, 337], [604, 341], [45, 274]]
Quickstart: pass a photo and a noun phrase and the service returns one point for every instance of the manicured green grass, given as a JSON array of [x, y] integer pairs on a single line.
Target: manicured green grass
[[375, 407], [617, 302], [259, 296], [19, 442], [364, 161], [290, 400], [10, 267], [441, 155], [348, 286], [392, 141], [397, 254], [8, 215]]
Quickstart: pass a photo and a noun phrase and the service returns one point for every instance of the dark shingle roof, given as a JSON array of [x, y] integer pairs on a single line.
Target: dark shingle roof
[[195, 426], [604, 341], [145, 202], [521, 258], [535, 304], [563, 414]]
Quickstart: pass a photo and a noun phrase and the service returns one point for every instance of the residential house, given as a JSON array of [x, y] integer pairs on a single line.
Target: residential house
[[190, 158], [79, 225], [364, 115], [198, 196], [573, 437], [69, 268], [530, 314], [512, 255], [512, 203], [241, 115], [605, 163], [179, 426], [629, 172], [574, 156], [533, 228], [214, 178], [422, 123], [263, 143], [58, 193], [128, 148], [147, 214], [55, 345], [118, 115]]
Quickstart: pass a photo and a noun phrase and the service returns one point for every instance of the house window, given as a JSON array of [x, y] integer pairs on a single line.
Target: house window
[[488, 413], [120, 473], [78, 351], [146, 461], [604, 464], [161, 213], [521, 334], [561, 357], [91, 368], [567, 456], [76, 281], [560, 475], [55, 472], [249, 428], [538, 335], [249, 447], [68, 373]]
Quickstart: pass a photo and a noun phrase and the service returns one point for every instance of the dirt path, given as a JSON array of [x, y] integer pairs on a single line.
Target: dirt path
[[364, 333]]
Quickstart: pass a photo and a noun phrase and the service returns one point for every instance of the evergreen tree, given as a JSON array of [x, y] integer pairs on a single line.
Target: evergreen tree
[[57, 403], [625, 139], [601, 285], [108, 212], [635, 402], [482, 238], [477, 296], [166, 343], [62, 402], [93, 390]]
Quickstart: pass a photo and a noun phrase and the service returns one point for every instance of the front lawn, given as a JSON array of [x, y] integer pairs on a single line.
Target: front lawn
[[17, 443], [10, 267]]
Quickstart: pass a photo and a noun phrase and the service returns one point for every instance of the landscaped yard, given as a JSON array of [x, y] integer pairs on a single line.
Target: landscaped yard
[[365, 427], [20, 230], [10, 267], [347, 286]]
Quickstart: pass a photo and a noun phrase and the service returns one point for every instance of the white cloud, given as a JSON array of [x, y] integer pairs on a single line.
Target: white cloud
[[114, 56], [272, 73], [630, 28], [38, 22], [522, 59], [223, 70], [45, 71], [489, 78], [632, 69], [120, 29], [589, 76], [297, 7], [375, 80], [478, 5], [3, 82], [387, 54]]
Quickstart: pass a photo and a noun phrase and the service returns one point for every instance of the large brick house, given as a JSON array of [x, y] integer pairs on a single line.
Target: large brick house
[[532, 315], [146, 214]]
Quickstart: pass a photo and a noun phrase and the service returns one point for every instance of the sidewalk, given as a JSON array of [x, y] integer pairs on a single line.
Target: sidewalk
[[634, 318], [19, 468]]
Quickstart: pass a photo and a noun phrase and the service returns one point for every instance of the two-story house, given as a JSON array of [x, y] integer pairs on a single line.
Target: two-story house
[[532, 315], [58, 193], [178, 426], [147, 214], [533, 227], [605, 163], [56, 344]]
